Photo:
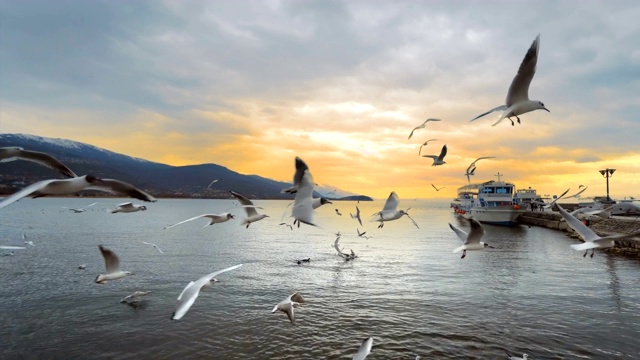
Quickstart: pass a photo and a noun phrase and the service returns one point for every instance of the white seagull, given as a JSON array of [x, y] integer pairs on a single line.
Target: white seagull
[[518, 102], [591, 239], [112, 264], [17, 153], [79, 210], [302, 210], [190, 293], [287, 305], [470, 241], [425, 144], [437, 189], [301, 166], [212, 182], [317, 202], [364, 350], [249, 208], [213, 219], [70, 186], [471, 169], [134, 298], [438, 159], [511, 357], [128, 208], [357, 215], [390, 211], [28, 242], [421, 126], [154, 245]]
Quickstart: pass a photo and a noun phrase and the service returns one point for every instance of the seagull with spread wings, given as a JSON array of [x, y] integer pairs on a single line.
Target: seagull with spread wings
[[438, 159], [390, 211], [471, 169], [249, 208], [421, 126]]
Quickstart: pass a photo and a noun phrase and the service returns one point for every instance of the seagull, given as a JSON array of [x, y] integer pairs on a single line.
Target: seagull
[[337, 247], [249, 208], [213, 182], [390, 211], [425, 144], [290, 227], [511, 357], [213, 219], [357, 215], [134, 298], [17, 153], [361, 234], [154, 245], [301, 166], [471, 169], [190, 293], [470, 241], [112, 263], [302, 210], [338, 212], [591, 239], [437, 188], [128, 207], [73, 185], [439, 159], [581, 186], [421, 126], [517, 102], [364, 350], [28, 242], [303, 260], [576, 195], [79, 210], [82, 266], [287, 305]]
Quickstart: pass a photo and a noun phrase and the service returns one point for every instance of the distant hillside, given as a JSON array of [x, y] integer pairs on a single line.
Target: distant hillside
[[161, 180]]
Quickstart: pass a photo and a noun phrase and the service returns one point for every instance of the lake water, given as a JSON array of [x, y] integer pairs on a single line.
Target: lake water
[[407, 289]]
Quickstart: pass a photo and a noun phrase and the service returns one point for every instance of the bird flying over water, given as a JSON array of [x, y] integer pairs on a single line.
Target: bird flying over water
[[301, 167], [511, 357], [425, 144], [13, 153], [470, 241], [364, 350], [190, 293], [438, 159], [154, 245], [357, 215], [421, 126], [287, 305], [112, 264], [471, 169], [213, 219], [390, 211], [128, 207], [80, 210], [517, 102], [249, 208]]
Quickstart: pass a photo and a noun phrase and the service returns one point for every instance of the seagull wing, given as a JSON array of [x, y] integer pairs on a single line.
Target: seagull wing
[[519, 89], [122, 188], [46, 160], [392, 202], [184, 221], [461, 234], [414, 129], [358, 215], [499, 108], [249, 208], [127, 205], [443, 153], [303, 204], [111, 261], [301, 166], [469, 171], [476, 233], [577, 194], [364, 350], [577, 225], [25, 192]]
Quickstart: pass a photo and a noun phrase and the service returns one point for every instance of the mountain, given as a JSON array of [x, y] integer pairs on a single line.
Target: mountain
[[161, 180]]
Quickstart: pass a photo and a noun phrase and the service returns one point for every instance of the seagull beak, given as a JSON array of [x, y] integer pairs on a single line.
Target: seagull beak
[[546, 109]]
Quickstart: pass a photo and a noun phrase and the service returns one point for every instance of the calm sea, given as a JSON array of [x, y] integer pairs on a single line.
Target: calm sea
[[407, 289]]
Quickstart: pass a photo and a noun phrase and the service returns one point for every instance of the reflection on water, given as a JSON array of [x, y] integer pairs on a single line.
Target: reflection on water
[[407, 289]]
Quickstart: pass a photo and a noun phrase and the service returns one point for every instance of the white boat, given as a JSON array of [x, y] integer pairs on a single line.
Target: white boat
[[490, 202], [525, 198]]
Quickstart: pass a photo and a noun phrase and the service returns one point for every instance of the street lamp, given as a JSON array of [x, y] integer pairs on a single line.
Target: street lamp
[[607, 173]]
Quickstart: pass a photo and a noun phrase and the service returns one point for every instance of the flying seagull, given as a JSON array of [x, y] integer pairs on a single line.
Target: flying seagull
[[518, 102], [437, 188], [591, 239], [70, 186], [135, 297], [302, 210], [439, 159], [471, 169], [421, 126], [80, 210], [511, 357], [17, 153], [338, 212], [425, 144], [249, 208], [212, 182], [287, 305], [301, 166], [364, 350], [128, 208], [471, 241], [390, 211], [190, 293], [213, 219], [357, 215], [112, 264], [155, 246]]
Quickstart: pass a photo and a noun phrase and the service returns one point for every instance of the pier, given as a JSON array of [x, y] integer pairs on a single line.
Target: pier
[[602, 227]]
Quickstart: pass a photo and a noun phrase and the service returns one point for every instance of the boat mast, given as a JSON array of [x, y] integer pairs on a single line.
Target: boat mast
[[498, 175]]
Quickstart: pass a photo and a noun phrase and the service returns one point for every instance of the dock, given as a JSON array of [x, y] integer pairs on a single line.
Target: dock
[[602, 227]]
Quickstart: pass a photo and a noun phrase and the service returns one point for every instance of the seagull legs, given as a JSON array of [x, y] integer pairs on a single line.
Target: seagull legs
[[518, 119], [592, 251], [381, 225], [464, 253], [585, 253]]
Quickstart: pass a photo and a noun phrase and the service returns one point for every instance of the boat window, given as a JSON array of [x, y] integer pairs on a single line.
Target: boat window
[[489, 190], [503, 190]]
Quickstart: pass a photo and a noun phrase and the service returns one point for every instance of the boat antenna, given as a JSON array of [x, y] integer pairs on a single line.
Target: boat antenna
[[498, 175]]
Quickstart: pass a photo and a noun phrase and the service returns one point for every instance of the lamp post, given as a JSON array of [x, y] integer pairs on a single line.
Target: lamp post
[[607, 173]]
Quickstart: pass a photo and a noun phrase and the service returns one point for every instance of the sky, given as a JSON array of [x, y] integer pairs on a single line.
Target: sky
[[250, 85]]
